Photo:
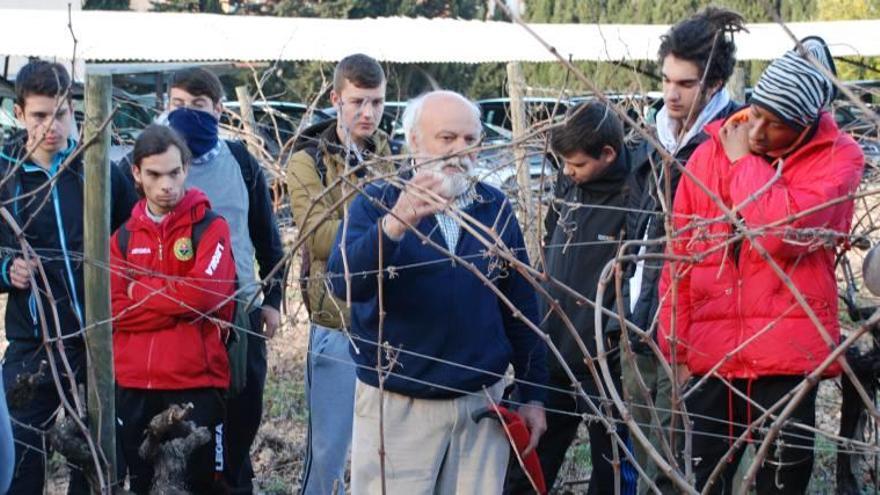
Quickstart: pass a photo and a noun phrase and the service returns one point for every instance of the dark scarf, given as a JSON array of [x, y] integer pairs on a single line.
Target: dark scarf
[[198, 128]]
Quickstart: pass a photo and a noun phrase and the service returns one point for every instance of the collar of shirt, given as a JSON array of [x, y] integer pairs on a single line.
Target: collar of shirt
[[152, 216], [210, 155], [449, 226]]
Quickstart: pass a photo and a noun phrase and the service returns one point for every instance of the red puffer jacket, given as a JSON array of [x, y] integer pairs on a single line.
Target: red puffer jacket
[[734, 313], [162, 339]]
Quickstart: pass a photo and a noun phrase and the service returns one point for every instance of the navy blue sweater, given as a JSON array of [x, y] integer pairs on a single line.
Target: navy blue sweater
[[439, 308]]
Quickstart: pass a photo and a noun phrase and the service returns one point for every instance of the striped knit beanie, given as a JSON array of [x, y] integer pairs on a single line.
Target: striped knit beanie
[[793, 88]]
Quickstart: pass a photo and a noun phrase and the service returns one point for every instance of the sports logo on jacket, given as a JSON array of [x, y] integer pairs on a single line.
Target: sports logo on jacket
[[215, 260], [183, 249]]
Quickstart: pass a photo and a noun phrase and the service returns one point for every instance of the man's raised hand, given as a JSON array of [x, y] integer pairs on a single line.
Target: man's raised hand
[[420, 198]]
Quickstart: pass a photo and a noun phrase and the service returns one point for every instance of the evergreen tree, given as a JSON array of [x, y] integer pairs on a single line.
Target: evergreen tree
[[106, 5], [613, 77], [202, 6]]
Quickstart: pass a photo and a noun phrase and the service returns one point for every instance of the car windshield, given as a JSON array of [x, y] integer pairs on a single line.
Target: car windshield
[[494, 133], [8, 121]]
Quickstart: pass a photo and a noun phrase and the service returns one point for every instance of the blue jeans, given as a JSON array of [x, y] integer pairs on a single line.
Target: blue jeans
[[7, 448], [330, 382]]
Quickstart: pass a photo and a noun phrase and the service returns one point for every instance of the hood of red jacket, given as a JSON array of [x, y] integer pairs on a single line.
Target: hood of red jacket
[[189, 210]]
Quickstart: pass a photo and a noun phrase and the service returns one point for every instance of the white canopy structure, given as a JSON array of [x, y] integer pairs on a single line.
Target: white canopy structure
[[176, 37]]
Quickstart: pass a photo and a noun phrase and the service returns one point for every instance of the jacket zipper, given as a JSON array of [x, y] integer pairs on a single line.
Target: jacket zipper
[[738, 269], [32, 308], [150, 362], [153, 336], [53, 170], [76, 306]]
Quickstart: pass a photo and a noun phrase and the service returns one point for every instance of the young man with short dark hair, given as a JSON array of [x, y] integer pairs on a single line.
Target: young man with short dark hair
[[235, 184], [697, 57], [172, 280], [349, 146], [583, 229], [43, 191]]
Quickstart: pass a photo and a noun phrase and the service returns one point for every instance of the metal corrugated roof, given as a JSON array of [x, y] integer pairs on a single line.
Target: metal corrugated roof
[[177, 37]]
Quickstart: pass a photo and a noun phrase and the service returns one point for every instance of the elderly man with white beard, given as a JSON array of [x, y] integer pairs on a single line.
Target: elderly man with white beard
[[448, 335]]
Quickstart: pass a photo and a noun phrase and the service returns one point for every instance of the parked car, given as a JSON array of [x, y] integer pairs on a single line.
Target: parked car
[[641, 108], [868, 91], [8, 124], [862, 127], [130, 117], [496, 111], [277, 123], [390, 124], [495, 163]]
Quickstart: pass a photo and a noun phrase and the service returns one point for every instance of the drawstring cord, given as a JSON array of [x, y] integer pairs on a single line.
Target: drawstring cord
[[730, 421]]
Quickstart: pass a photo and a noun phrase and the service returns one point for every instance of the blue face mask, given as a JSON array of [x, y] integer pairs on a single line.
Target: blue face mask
[[198, 128]]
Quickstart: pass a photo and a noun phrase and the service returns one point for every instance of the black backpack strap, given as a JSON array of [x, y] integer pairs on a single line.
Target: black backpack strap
[[320, 166], [245, 162], [122, 238], [201, 226]]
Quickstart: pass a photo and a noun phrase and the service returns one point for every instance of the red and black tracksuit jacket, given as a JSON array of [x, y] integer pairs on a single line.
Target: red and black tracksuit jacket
[[169, 334]]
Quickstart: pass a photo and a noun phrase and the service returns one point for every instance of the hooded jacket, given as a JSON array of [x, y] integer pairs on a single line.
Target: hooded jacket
[[47, 203], [262, 224], [168, 335], [583, 229], [732, 308], [645, 220], [320, 212]]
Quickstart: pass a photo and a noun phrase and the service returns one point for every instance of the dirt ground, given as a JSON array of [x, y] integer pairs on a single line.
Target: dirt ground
[[279, 450]]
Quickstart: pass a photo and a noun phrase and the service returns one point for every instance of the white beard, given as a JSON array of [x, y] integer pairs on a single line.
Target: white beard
[[456, 184]]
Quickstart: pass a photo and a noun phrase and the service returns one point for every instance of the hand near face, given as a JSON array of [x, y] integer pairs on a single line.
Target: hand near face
[[735, 139], [420, 198]]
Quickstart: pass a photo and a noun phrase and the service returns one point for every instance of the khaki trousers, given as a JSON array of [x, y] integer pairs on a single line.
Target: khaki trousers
[[432, 446]]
